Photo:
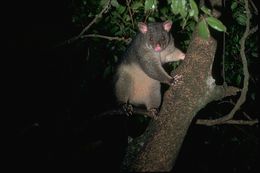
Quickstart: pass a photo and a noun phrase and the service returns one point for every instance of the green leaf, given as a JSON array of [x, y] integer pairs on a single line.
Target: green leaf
[[114, 3], [120, 9], [216, 24], [183, 9], [126, 18], [238, 79], [203, 29], [107, 71], [194, 11], [164, 11], [234, 5], [241, 19], [254, 54], [136, 5], [151, 19], [191, 26], [206, 10], [150, 5], [175, 6], [253, 96], [115, 58], [102, 3]]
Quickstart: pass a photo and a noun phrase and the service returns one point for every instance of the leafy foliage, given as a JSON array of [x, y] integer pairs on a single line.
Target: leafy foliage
[[238, 12], [121, 18], [233, 66], [208, 19]]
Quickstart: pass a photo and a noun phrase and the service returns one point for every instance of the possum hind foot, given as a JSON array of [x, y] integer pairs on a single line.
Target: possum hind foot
[[127, 109]]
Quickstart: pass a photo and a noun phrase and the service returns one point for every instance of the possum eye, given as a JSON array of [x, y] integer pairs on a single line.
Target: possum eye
[[151, 38]]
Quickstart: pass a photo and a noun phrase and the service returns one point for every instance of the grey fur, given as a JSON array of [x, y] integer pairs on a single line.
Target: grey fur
[[140, 72]]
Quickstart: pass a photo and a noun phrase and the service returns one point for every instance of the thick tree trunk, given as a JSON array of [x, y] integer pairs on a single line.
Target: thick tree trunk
[[158, 148]]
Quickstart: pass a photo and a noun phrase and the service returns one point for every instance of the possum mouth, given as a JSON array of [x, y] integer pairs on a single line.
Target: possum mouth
[[158, 48]]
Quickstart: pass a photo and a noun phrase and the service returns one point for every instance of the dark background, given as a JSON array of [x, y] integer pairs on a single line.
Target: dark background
[[52, 120]]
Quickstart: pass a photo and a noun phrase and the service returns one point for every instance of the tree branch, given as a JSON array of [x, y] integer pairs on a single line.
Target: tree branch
[[158, 147], [232, 121]]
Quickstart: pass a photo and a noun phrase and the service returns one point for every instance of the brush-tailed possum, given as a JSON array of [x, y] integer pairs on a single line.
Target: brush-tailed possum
[[139, 74]]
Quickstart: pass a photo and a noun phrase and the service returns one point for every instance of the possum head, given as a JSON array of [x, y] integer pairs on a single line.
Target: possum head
[[156, 35]]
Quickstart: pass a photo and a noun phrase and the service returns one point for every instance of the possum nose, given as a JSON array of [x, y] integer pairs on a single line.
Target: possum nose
[[158, 47]]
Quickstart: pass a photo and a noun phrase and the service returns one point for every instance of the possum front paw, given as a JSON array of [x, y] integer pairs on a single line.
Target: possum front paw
[[176, 80]]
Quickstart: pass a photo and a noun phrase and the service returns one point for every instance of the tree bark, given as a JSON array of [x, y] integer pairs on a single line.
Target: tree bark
[[158, 148]]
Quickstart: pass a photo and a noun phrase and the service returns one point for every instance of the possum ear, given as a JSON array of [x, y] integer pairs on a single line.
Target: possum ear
[[167, 25], [142, 27]]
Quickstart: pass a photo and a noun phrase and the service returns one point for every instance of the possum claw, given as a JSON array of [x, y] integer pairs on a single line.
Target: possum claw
[[127, 109], [176, 80], [153, 113]]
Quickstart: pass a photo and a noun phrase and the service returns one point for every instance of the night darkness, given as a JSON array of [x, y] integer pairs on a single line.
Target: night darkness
[[52, 117]]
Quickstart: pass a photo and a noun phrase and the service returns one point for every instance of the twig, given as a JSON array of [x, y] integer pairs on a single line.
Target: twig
[[242, 97], [223, 60], [254, 7], [246, 115], [107, 37], [223, 54], [104, 10], [106, 7], [253, 30], [130, 12], [147, 15], [227, 101]]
